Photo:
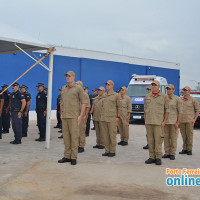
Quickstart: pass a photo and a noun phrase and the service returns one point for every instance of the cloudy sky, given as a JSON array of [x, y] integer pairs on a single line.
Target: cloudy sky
[[165, 30]]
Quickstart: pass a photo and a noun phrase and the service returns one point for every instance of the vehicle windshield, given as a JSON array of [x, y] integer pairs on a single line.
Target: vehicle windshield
[[137, 90]]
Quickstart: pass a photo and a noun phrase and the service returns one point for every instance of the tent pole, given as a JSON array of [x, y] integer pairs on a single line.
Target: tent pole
[[49, 101]]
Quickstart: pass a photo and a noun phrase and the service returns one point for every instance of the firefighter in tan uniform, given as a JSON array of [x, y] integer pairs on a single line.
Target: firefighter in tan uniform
[[110, 115], [156, 111], [82, 125], [71, 98], [149, 91], [172, 124], [190, 114], [96, 110], [125, 117]]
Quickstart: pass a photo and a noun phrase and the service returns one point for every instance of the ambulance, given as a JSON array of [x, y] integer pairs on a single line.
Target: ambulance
[[137, 90]]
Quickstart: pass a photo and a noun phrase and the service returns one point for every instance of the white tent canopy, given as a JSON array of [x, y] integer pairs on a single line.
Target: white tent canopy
[[13, 41]]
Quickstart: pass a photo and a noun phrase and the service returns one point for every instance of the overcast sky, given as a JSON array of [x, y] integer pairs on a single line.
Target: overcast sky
[[167, 30]]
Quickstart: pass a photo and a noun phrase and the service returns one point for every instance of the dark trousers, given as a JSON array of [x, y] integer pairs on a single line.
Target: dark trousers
[[17, 126], [5, 121], [87, 131], [58, 118], [25, 124], [41, 119], [0, 127]]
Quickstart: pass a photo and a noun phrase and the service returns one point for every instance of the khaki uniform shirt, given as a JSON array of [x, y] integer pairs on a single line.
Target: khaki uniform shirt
[[71, 97], [97, 106], [126, 106], [87, 102], [175, 108], [111, 104], [190, 107], [155, 108]]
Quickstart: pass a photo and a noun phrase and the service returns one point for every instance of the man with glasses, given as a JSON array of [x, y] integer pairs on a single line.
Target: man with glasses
[[156, 111], [189, 117], [111, 111], [172, 124]]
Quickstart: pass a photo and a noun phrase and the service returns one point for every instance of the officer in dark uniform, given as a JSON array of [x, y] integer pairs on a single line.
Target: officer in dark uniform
[[95, 94], [26, 110], [18, 104], [45, 90], [1, 109], [6, 109], [41, 106], [58, 111], [30, 101]]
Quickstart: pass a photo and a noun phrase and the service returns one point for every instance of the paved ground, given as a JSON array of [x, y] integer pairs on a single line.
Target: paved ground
[[29, 171]]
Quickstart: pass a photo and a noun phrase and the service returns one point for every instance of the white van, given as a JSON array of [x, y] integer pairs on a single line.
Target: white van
[[137, 90]]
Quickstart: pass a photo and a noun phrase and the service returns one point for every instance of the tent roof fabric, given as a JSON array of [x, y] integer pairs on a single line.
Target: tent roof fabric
[[9, 36]]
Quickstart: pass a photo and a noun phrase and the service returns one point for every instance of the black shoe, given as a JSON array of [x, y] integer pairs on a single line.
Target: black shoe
[[96, 146], [105, 154], [124, 143], [4, 132], [41, 140], [146, 147], [86, 135], [93, 128], [60, 131], [63, 160], [37, 139], [57, 126], [172, 157], [60, 137], [120, 143], [183, 152], [166, 156], [0, 137], [73, 162], [101, 147], [80, 150], [111, 154], [24, 135], [158, 161], [189, 153], [15, 142], [150, 161]]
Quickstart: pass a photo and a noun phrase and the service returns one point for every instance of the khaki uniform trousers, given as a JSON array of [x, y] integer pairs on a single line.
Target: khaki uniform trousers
[[123, 130], [187, 135], [70, 132], [155, 137], [99, 133], [170, 139], [109, 130], [82, 128]]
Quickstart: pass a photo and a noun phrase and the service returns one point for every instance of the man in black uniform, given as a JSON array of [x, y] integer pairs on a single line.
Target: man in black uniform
[[18, 104], [26, 110], [41, 106], [1, 109], [58, 111], [95, 94], [6, 109]]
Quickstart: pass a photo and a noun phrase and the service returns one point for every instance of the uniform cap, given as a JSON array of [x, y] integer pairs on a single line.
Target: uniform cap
[[4, 86], [23, 86], [155, 82], [109, 82], [186, 88], [149, 87], [86, 88], [15, 84], [123, 88], [95, 89], [70, 73], [170, 86], [45, 88], [101, 88], [60, 89], [40, 84], [79, 83]]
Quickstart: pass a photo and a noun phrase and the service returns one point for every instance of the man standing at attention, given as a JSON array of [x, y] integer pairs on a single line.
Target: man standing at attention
[[110, 115], [71, 97], [189, 117], [156, 111]]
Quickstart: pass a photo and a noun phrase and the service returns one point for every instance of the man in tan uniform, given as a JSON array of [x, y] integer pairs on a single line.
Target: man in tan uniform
[[71, 97], [156, 111], [125, 117], [96, 110], [172, 124], [190, 114], [110, 115], [82, 125], [149, 91]]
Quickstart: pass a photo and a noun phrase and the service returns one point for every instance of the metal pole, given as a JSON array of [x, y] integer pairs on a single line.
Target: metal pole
[[49, 100]]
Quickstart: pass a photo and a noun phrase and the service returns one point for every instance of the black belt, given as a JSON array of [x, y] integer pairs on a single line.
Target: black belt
[[40, 110], [15, 109]]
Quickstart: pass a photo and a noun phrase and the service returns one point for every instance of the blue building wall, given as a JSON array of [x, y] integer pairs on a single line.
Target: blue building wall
[[93, 73]]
